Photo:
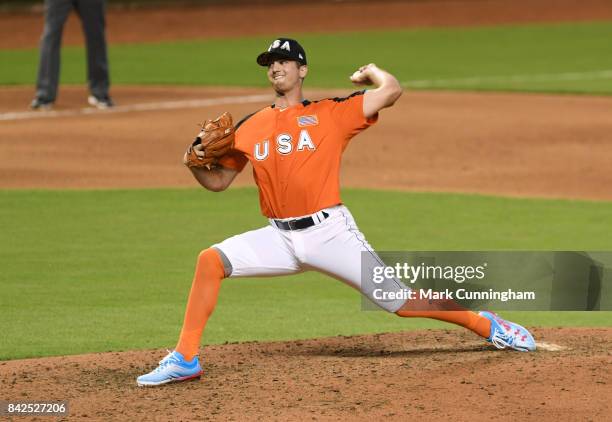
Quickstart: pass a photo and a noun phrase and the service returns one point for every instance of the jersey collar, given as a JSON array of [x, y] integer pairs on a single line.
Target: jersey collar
[[304, 104]]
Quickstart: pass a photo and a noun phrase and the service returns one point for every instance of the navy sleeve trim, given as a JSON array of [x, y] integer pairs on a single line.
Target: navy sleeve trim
[[244, 119], [340, 99]]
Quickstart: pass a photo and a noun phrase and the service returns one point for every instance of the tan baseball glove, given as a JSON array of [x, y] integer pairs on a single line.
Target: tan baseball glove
[[214, 141]]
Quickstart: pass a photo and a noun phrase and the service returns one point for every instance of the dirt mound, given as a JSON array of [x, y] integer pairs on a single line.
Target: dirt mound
[[430, 374]]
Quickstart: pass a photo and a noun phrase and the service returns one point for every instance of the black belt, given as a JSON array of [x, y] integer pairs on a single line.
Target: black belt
[[299, 223]]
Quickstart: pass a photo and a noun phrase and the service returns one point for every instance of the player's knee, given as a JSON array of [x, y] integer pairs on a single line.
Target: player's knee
[[211, 260], [205, 256]]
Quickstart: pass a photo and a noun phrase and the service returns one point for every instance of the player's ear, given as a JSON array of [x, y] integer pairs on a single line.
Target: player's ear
[[303, 71]]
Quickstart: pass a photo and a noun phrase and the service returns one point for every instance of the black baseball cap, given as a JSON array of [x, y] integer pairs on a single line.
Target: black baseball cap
[[282, 48]]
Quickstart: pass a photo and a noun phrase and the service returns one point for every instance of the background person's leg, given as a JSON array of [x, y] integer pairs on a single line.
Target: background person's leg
[[56, 13], [93, 20]]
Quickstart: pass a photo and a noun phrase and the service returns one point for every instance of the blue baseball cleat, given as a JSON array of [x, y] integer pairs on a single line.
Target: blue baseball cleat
[[506, 334], [172, 368]]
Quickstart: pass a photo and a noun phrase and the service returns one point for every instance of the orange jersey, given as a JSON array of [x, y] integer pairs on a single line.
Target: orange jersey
[[296, 153]]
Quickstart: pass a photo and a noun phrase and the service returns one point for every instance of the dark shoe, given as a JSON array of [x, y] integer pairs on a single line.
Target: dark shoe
[[100, 102], [40, 104]]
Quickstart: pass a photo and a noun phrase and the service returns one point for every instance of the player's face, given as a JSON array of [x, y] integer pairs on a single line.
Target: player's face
[[285, 75]]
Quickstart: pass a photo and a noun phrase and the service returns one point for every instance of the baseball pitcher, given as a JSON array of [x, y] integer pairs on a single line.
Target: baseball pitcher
[[295, 147]]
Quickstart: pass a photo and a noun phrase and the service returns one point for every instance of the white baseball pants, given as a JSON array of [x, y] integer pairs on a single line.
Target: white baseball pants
[[335, 247]]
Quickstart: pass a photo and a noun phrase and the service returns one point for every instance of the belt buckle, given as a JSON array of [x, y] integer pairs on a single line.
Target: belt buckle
[[291, 224]]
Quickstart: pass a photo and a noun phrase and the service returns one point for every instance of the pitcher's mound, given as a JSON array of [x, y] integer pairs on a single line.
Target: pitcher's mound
[[433, 374]]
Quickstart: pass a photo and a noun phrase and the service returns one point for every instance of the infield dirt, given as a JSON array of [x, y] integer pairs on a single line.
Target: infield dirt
[[508, 144]]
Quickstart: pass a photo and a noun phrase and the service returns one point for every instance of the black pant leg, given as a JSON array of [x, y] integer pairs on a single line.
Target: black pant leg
[[56, 13], [92, 13]]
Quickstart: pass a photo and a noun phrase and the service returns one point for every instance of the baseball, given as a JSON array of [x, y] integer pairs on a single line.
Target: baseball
[[360, 78], [357, 75]]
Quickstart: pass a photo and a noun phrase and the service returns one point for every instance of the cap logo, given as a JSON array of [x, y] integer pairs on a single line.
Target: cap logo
[[275, 44]]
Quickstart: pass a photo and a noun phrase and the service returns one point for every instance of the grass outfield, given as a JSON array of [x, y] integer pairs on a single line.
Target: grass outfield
[[86, 271], [549, 58]]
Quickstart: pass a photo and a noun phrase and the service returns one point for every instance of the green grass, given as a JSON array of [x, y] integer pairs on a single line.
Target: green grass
[[416, 54], [86, 271]]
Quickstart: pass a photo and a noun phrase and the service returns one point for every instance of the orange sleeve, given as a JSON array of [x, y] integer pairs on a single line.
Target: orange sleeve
[[348, 114], [234, 159]]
